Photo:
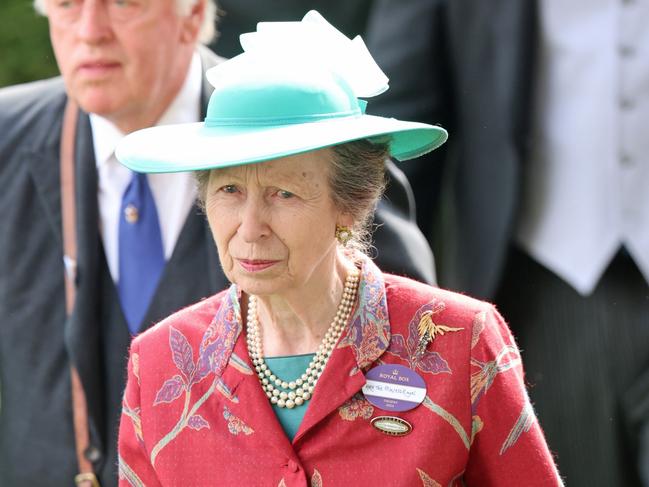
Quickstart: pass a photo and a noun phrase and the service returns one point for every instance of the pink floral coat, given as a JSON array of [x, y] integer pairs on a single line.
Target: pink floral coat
[[194, 413]]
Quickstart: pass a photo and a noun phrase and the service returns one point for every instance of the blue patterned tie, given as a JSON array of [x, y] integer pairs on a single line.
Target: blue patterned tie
[[141, 257]]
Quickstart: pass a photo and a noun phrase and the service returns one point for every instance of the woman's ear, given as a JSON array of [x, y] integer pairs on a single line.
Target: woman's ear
[[345, 220]]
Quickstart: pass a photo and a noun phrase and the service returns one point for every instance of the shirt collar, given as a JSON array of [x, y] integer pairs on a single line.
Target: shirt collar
[[184, 108], [368, 333]]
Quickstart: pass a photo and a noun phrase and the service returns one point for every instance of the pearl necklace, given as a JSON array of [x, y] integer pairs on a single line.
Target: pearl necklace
[[295, 393]]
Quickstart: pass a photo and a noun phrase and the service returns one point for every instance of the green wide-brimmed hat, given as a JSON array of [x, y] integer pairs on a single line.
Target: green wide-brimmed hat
[[297, 87]]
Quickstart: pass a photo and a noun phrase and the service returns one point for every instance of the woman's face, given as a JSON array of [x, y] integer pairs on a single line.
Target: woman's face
[[274, 222]]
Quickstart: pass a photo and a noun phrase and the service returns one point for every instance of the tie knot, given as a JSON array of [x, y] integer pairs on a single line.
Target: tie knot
[[140, 178]]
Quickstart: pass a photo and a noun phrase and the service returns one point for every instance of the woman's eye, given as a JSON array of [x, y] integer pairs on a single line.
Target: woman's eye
[[229, 188], [285, 194]]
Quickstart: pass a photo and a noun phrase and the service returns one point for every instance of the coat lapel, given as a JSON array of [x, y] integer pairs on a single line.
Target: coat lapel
[[340, 381], [44, 169], [252, 406], [366, 338]]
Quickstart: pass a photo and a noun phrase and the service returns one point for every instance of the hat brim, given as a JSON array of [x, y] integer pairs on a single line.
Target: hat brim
[[196, 147]]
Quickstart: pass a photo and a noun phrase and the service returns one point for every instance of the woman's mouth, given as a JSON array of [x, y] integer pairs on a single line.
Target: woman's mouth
[[256, 265]]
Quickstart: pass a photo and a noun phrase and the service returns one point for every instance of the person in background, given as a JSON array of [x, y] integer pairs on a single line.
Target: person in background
[[295, 374], [126, 65], [543, 207]]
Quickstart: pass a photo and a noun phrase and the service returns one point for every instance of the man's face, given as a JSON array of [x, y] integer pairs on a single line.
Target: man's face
[[123, 59]]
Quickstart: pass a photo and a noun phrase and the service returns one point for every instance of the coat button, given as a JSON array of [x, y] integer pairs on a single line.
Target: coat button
[[293, 467], [92, 454]]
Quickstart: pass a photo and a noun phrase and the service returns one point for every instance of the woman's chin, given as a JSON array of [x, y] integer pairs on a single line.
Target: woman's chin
[[258, 286]]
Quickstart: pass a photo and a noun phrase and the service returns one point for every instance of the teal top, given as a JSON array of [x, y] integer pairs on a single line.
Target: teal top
[[290, 368]]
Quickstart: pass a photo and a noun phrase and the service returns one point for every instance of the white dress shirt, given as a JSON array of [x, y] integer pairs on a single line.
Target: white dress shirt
[[174, 194], [586, 191]]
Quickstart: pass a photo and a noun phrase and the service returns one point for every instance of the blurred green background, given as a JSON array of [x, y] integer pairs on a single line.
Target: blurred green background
[[25, 52]]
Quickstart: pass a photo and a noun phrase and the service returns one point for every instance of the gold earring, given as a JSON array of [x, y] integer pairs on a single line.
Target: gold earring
[[343, 235]]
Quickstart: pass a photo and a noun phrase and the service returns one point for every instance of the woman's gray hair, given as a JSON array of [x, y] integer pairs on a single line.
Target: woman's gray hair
[[208, 28], [356, 180]]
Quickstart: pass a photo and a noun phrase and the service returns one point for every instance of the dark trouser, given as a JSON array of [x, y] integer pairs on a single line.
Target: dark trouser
[[582, 356]]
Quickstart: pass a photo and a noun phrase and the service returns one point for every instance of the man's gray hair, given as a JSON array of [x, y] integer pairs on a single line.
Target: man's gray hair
[[208, 29]]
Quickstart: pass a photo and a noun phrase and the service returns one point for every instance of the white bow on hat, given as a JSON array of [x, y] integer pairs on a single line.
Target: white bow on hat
[[314, 41]]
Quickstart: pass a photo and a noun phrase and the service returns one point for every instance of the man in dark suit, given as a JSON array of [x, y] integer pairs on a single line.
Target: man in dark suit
[[523, 88], [126, 68]]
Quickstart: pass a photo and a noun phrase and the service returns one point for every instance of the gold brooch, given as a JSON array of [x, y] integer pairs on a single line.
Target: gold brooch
[[428, 331]]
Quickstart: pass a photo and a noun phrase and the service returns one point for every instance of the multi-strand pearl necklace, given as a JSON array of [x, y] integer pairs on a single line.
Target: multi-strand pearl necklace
[[295, 393]]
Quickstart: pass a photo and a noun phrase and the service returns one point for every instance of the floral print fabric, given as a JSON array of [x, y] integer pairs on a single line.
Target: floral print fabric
[[195, 414]]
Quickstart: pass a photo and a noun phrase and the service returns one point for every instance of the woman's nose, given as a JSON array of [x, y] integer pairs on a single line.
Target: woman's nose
[[254, 224]]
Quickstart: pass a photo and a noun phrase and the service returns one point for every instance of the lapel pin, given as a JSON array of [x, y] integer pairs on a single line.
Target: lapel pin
[[131, 213], [391, 425]]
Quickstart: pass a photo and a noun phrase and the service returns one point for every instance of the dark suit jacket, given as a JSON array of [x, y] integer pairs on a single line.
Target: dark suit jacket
[[37, 343], [469, 68]]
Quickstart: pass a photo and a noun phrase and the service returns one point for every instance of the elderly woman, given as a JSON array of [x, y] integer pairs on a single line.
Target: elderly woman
[[314, 368]]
